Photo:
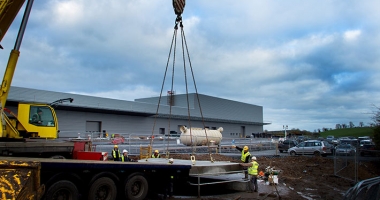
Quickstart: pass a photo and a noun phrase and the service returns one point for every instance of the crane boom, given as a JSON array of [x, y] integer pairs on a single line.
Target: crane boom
[[22, 126], [8, 12]]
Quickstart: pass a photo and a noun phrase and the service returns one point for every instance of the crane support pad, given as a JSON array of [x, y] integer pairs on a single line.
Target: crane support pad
[[20, 180]]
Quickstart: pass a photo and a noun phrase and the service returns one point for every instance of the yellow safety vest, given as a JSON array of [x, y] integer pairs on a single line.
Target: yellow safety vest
[[244, 155], [253, 169], [114, 153], [122, 158], [158, 155]]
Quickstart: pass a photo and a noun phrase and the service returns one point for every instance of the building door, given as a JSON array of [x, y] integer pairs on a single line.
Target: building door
[[93, 126], [162, 131], [242, 131]]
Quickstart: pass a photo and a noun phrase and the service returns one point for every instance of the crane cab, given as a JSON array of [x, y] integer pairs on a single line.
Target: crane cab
[[33, 121]]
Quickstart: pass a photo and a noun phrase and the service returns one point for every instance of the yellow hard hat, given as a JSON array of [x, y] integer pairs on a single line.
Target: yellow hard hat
[[115, 146], [245, 148], [156, 151]]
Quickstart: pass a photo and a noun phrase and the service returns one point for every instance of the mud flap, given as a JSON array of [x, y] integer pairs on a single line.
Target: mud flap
[[20, 180]]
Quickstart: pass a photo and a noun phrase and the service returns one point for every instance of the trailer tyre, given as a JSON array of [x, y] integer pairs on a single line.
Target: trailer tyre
[[103, 188], [62, 190], [136, 187]]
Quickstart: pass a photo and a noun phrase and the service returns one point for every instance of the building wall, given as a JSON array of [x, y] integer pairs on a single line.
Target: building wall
[[218, 112], [212, 107], [71, 123]]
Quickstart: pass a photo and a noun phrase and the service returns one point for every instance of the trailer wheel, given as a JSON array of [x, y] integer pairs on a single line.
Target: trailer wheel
[[103, 188], [136, 187], [62, 190]]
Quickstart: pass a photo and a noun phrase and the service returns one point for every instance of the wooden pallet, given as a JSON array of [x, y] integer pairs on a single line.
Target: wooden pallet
[[145, 152]]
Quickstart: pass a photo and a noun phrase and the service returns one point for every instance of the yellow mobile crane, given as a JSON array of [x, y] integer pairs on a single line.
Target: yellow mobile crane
[[28, 123]]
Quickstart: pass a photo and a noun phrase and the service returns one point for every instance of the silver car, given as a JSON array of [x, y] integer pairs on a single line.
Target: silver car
[[345, 149], [311, 147]]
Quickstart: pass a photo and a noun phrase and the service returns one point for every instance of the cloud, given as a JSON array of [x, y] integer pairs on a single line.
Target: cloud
[[352, 35], [309, 64]]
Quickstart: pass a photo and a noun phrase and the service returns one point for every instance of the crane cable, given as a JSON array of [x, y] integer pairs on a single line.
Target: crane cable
[[174, 39], [178, 6], [184, 44]]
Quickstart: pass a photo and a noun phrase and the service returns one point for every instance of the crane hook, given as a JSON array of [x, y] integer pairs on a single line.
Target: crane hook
[[179, 6]]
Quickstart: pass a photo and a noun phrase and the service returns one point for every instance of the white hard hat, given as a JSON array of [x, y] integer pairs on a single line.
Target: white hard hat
[[125, 151], [253, 157]]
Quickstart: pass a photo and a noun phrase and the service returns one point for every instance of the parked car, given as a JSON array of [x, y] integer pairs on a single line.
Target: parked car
[[345, 150], [285, 145], [363, 142], [311, 147], [334, 141], [364, 138], [300, 138], [330, 137], [368, 150]]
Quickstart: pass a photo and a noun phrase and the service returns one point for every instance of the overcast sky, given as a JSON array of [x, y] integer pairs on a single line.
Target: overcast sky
[[309, 64]]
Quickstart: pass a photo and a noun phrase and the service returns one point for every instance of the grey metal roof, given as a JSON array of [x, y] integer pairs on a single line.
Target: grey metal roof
[[213, 108]]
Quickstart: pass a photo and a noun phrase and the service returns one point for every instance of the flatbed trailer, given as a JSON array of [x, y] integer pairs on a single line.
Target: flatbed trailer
[[88, 179], [45, 148]]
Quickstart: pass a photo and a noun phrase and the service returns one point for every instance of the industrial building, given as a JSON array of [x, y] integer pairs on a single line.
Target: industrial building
[[88, 114]]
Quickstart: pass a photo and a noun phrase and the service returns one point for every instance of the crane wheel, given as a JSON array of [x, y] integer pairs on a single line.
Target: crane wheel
[[136, 187], [103, 188], [62, 190]]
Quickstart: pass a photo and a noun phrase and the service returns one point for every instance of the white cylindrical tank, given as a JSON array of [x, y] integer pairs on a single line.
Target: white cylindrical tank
[[198, 136]]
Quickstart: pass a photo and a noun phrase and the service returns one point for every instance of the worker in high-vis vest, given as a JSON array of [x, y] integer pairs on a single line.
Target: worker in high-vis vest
[[125, 158], [116, 153], [245, 158], [253, 171], [156, 154]]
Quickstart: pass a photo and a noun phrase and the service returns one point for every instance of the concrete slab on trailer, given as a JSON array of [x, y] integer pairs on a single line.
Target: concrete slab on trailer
[[201, 167]]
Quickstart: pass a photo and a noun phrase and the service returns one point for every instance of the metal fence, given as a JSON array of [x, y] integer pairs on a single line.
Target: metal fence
[[133, 142], [346, 165]]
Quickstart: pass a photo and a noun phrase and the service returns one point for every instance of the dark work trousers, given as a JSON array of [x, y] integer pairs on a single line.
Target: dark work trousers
[[253, 183], [245, 172]]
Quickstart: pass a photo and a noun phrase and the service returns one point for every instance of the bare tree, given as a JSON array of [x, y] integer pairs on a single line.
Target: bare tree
[[361, 124]]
